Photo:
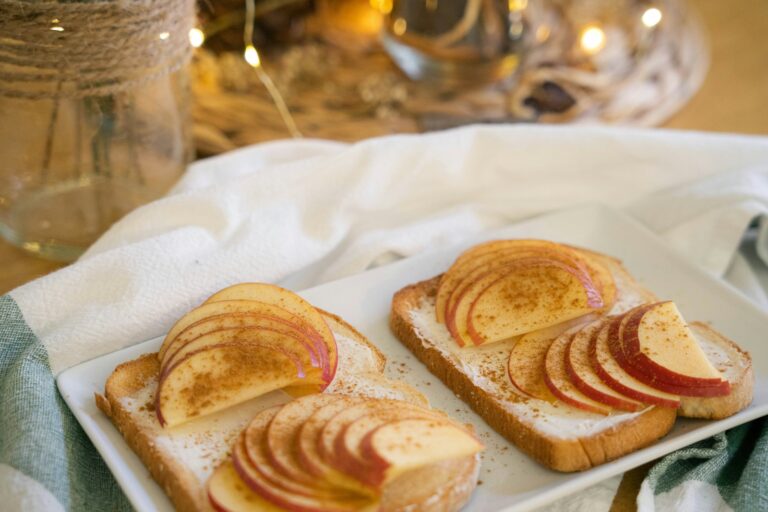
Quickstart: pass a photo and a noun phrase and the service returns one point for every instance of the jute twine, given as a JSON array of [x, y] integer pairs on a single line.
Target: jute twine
[[78, 49]]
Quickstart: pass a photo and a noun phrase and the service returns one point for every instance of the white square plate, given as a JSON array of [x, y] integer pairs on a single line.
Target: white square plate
[[510, 480]]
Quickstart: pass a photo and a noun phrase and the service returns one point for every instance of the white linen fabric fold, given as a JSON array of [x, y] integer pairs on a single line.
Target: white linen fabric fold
[[304, 212]]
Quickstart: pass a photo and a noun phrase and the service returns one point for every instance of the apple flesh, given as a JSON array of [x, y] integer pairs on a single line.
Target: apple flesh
[[556, 378], [490, 257], [255, 468], [282, 436], [308, 450], [263, 316], [585, 378], [614, 376], [654, 344], [267, 465], [228, 493], [526, 366], [392, 449], [310, 323], [494, 254], [534, 294], [348, 454], [298, 346], [220, 376], [284, 299]]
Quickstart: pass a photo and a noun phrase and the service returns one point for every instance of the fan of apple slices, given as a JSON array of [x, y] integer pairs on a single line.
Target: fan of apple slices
[[244, 341], [330, 452], [506, 288], [645, 356]]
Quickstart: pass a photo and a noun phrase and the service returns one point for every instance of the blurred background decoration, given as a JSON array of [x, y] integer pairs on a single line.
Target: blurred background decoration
[[94, 115], [352, 69]]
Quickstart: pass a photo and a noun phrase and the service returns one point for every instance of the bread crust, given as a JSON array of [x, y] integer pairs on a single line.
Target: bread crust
[[742, 384], [559, 454], [178, 482], [452, 483]]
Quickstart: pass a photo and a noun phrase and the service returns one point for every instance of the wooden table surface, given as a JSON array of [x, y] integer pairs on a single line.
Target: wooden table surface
[[734, 98]]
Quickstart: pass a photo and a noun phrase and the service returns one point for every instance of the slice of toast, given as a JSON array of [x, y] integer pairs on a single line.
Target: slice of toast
[[181, 459], [557, 435], [736, 366]]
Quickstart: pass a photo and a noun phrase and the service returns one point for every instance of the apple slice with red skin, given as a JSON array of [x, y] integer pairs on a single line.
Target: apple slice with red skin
[[250, 450], [288, 499], [528, 295], [228, 493], [494, 255], [308, 452], [614, 376], [282, 434], [214, 309], [221, 376], [253, 464], [526, 366], [246, 320], [285, 299], [406, 444], [336, 426], [584, 377], [654, 344], [474, 284], [556, 378], [298, 346], [348, 456]]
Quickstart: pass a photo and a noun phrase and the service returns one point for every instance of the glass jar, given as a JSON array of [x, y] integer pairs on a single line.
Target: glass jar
[[81, 147], [455, 42]]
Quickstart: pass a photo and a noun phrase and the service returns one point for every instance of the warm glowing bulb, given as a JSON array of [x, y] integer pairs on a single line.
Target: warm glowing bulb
[[196, 37], [252, 56], [651, 17], [383, 6], [164, 35], [57, 29], [399, 26], [592, 39]]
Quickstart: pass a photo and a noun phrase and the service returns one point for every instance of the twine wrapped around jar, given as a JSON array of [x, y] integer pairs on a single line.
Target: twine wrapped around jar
[[79, 49], [94, 96]]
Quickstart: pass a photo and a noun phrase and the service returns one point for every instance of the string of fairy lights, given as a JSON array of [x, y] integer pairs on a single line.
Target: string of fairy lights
[[592, 39], [251, 56]]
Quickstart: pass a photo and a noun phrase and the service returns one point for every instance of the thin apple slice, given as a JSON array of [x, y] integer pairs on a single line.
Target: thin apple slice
[[289, 499], [404, 445], [526, 366], [348, 455], [613, 375], [285, 299], [310, 456], [629, 365], [217, 309], [221, 376], [490, 256], [509, 259], [251, 451], [297, 345], [533, 295], [228, 493], [556, 378], [494, 254], [657, 341], [282, 435], [584, 377], [333, 430], [254, 466], [262, 318]]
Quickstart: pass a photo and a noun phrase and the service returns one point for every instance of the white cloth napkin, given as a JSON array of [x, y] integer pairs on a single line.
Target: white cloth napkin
[[304, 212]]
